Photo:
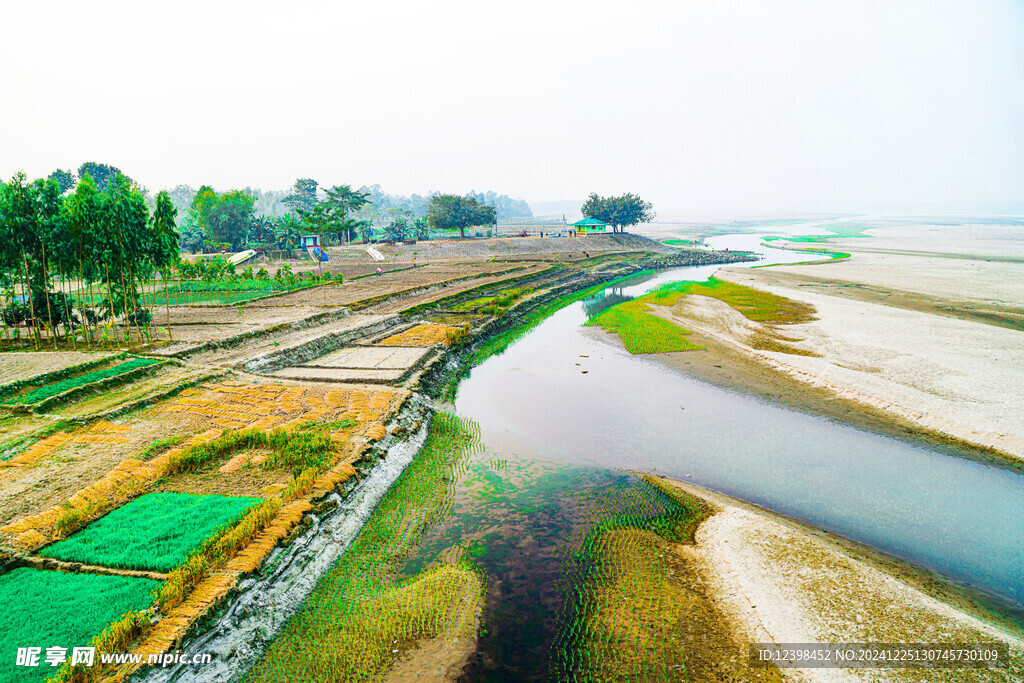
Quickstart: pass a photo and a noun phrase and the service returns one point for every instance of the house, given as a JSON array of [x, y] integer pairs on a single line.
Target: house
[[309, 241], [590, 226]]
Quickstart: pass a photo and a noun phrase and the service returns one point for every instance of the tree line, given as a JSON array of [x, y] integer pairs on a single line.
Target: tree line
[[74, 262]]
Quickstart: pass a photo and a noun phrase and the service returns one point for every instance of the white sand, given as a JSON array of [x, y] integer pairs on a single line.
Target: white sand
[[783, 585], [959, 377]]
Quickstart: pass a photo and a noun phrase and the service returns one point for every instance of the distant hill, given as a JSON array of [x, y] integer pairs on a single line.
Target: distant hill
[[570, 208]]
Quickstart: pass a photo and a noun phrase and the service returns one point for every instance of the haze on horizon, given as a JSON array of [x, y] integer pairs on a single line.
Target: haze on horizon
[[755, 105]]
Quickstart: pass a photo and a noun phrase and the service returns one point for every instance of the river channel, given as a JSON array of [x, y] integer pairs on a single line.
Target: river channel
[[958, 517]]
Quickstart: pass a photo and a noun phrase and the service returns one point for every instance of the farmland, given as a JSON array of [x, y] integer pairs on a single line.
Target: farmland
[[157, 531], [363, 609], [57, 388], [57, 609]]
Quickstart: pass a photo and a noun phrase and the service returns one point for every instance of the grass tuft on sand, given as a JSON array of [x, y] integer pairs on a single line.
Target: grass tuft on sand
[[642, 331]]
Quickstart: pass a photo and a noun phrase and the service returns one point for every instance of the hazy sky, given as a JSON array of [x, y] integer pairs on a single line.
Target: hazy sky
[[749, 105]]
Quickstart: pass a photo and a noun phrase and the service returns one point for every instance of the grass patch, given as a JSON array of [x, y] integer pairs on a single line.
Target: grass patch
[[154, 532], [347, 629], [499, 301], [643, 332], [628, 608], [754, 304], [640, 330], [680, 242], [51, 390], [57, 609]]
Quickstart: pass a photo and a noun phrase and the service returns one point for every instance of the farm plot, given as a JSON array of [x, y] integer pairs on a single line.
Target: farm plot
[[155, 532], [16, 367], [361, 613], [48, 609], [370, 357], [74, 462], [425, 334], [50, 390]]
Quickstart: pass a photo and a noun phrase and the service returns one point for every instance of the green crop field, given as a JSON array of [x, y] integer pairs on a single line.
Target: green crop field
[[57, 609], [641, 331], [56, 388], [155, 532], [361, 611]]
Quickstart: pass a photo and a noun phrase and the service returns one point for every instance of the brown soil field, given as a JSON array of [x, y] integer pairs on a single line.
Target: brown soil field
[[56, 467], [427, 334], [24, 365]]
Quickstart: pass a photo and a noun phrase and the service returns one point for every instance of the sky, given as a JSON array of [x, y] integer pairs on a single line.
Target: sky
[[746, 105]]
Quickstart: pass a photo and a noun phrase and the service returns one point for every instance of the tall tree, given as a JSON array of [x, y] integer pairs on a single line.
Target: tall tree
[[65, 179], [164, 251], [102, 174], [229, 217], [303, 196], [618, 212], [333, 215], [450, 212], [182, 196]]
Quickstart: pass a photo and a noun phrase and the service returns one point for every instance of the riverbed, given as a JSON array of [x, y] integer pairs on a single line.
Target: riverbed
[[564, 393]]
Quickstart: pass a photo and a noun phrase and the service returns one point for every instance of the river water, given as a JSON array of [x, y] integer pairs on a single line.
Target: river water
[[957, 517]]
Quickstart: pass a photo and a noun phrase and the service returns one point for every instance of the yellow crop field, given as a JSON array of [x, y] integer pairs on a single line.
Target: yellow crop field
[[426, 334]]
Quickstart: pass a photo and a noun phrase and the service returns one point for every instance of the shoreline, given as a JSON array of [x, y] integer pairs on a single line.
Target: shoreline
[[726, 367], [970, 601], [781, 580]]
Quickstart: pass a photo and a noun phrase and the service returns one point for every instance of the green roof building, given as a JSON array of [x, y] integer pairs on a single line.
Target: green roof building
[[590, 226]]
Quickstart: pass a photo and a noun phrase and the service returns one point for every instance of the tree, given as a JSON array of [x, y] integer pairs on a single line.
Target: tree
[[618, 212], [332, 216], [102, 174], [507, 207], [182, 196], [65, 179], [229, 216], [450, 212], [421, 229], [164, 251], [303, 196], [398, 230]]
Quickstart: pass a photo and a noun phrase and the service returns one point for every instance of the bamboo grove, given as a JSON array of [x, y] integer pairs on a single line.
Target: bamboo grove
[[74, 267]]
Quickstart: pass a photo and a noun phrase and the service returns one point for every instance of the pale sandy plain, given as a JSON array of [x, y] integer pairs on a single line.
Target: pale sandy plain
[[924, 322], [781, 582]]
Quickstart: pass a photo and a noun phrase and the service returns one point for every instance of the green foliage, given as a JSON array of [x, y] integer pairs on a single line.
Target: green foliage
[[397, 230], [156, 532], [103, 175], [65, 179], [59, 609], [450, 212], [618, 212], [640, 330], [303, 196], [421, 229], [754, 304], [56, 388], [627, 609], [347, 628]]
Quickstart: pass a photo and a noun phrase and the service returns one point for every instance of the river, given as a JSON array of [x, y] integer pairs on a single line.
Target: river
[[958, 517]]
